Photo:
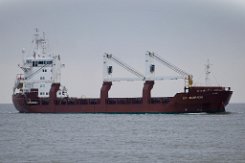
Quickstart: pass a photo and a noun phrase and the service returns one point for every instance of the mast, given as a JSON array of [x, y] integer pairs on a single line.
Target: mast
[[40, 44], [207, 72]]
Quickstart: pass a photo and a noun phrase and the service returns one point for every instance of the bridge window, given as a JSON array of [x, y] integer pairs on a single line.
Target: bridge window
[[28, 61], [42, 85], [152, 68], [42, 62], [34, 63], [49, 62], [109, 71]]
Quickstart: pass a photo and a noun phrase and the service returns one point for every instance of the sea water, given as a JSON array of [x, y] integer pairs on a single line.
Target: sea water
[[142, 138]]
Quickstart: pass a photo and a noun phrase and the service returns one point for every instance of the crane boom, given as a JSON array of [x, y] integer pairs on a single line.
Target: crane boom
[[150, 68], [108, 69], [188, 77], [127, 67]]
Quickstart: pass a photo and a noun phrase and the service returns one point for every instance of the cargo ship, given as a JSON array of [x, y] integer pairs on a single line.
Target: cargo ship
[[38, 89]]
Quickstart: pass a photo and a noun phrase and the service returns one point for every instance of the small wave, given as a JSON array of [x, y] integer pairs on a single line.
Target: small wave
[[14, 112], [202, 113]]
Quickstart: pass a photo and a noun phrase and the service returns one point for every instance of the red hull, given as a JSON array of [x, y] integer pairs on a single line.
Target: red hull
[[197, 99]]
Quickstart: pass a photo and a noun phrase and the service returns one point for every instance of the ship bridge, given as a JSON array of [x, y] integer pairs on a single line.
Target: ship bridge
[[40, 68]]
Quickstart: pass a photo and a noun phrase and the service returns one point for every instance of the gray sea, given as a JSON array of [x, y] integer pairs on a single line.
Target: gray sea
[[122, 138]]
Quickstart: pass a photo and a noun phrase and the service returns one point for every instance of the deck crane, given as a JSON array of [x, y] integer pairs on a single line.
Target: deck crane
[[108, 79], [149, 79], [108, 70], [150, 68]]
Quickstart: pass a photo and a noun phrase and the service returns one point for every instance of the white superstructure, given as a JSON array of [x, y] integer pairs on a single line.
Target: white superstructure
[[41, 68]]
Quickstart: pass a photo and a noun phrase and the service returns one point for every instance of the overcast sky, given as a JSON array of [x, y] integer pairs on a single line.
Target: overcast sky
[[185, 32]]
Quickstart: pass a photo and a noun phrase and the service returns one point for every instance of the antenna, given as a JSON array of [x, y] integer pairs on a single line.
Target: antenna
[[36, 35], [23, 51], [207, 72], [43, 43], [44, 34]]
